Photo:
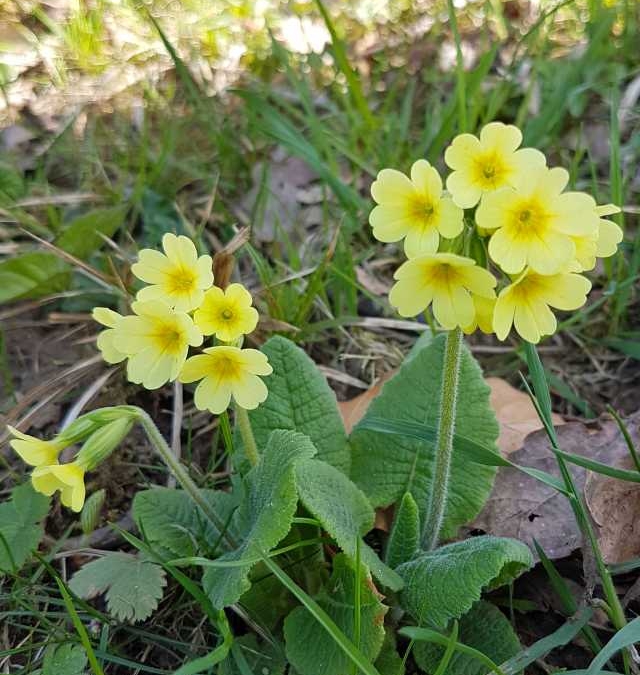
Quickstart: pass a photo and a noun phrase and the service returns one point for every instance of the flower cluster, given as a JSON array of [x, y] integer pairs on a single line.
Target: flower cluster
[[178, 308], [538, 235]]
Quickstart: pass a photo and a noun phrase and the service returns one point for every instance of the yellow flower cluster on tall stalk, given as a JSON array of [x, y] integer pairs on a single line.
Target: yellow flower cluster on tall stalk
[[527, 228], [173, 313]]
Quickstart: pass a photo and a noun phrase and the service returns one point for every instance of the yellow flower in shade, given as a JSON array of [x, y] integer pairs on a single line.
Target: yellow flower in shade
[[484, 315], [447, 280], [66, 478], [526, 303], [489, 163], [227, 372], [414, 209], [226, 314], [34, 451], [179, 276], [535, 220], [109, 318], [156, 342]]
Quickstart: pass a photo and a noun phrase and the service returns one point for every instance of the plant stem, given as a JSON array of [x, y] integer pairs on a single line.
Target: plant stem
[[444, 440], [248, 439], [181, 474]]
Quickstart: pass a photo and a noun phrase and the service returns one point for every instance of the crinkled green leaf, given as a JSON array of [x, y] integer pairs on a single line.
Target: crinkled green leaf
[[261, 658], [484, 628], [65, 659], [301, 400], [386, 467], [264, 517], [20, 526], [389, 662], [404, 539], [32, 275], [443, 584], [172, 523], [268, 601], [312, 651], [343, 510], [133, 586], [85, 234]]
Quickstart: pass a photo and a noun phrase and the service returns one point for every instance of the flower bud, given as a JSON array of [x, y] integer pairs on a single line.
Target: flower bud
[[103, 442]]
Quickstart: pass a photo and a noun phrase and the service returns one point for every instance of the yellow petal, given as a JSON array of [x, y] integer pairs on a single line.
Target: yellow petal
[[204, 272], [105, 316], [525, 323], [480, 281], [249, 391], [567, 291], [391, 223], [464, 192], [495, 208], [503, 314], [392, 187], [239, 294], [607, 209], [550, 254], [523, 162], [450, 223], [107, 347], [426, 180], [152, 266], [410, 297], [453, 307], [509, 254], [499, 137], [179, 249], [575, 214], [461, 152], [213, 394], [254, 361], [609, 236], [421, 241]]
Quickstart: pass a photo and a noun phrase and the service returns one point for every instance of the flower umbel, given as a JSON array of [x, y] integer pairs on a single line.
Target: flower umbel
[[535, 220], [156, 342], [227, 314], [107, 317], [179, 276], [414, 209], [227, 372], [526, 303], [448, 281], [483, 165]]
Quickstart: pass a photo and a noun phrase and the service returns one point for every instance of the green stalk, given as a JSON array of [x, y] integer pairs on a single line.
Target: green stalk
[[444, 441], [244, 424]]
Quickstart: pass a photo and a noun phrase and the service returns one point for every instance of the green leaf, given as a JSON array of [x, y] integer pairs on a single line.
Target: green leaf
[[20, 526], [133, 586], [404, 539], [626, 636], [346, 518], [65, 659], [385, 468], [484, 628], [32, 275], [264, 517], [300, 399], [443, 584], [81, 237], [175, 525], [159, 216], [261, 658], [389, 661], [314, 652]]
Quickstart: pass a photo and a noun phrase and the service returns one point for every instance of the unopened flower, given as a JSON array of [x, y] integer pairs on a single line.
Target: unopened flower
[[179, 276], [66, 478], [483, 165], [227, 372], [107, 317], [34, 451], [448, 281], [226, 314], [535, 220], [526, 303], [414, 209], [156, 342]]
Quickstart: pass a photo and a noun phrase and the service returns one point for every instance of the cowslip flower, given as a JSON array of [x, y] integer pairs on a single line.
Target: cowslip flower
[[156, 341], [602, 243], [66, 478], [227, 372], [226, 314], [108, 318], [534, 222], [489, 163], [34, 451], [448, 281], [483, 318], [177, 276], [414, 209], [526, 303]]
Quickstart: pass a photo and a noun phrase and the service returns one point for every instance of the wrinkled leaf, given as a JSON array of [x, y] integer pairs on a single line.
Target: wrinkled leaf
[[81, 237], [404, 539], [33, 275], [443, 584], [65, 659]]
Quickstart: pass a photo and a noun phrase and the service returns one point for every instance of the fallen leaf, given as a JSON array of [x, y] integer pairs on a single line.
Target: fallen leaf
[[522, 507], [353, 410]]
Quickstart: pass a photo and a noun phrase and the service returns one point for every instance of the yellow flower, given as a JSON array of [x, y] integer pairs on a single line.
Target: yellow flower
[[67, 478], [484, 315], [109, 318], [526, 302], [447, 280], [228, 314], [156, 342], [34, 451], [483, 165], [414, 209], [227, 372], [599, 244], [534, 222], [179, 276]]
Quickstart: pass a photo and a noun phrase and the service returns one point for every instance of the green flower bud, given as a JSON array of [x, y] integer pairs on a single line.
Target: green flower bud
[[103, 442]]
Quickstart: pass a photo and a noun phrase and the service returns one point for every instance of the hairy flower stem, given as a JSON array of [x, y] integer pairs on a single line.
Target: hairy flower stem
[[248, 439], [444, 441], [181, 474]]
